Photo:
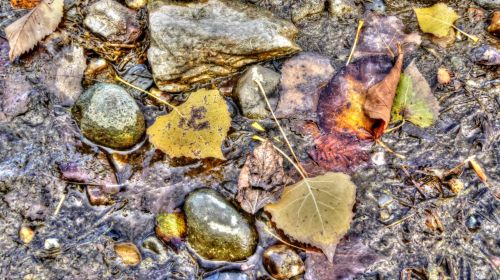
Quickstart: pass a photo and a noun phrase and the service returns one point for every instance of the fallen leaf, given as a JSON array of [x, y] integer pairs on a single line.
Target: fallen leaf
[[352, 258], [128, 253], [316, 211], [303, 77], [24, 4], [381, 35], [443, 76], [26, 32], [379, 98], [358, 99], [199, 132], [437, 19], [340, 152], [414, 100], [262, 178]]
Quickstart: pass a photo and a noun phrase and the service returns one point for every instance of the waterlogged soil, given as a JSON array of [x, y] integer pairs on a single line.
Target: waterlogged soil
[[43, 141]]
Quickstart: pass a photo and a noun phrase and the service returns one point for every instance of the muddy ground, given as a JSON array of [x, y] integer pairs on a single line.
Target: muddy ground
[[35, 144]]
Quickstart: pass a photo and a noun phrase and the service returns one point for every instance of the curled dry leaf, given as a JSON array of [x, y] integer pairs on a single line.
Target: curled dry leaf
[[196, 129], [316, 211], [128, 253], [262, 178], [359, 98], [379, 98], [478, 169], [26, 32], [414, 100]]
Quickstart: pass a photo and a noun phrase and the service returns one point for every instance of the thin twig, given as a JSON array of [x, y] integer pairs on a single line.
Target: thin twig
[[279, 125], [59, 205], [396, 127], [389, 149], [358, 31]]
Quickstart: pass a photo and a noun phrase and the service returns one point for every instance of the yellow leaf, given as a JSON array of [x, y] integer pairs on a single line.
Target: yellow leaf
[[316, 211], [128, 253], [196, 130], [26, 32], [437, 19]]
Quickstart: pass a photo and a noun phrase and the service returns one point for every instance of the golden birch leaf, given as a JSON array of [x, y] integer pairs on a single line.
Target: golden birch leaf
[[437, 19], [26, 32], [199, 132], [316, 211]]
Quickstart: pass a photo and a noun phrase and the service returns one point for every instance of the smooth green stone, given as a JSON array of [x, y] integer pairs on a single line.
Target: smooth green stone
[[216, 230], [109, 116]]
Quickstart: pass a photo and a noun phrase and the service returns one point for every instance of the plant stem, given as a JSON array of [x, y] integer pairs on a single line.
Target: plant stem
[[358, 31], [149, 94]]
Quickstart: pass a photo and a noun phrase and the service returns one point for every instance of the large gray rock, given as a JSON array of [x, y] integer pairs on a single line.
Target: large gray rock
[[109, 116], [194, 42], [251, 100], [488, 4], [216, 230], [113, 21]]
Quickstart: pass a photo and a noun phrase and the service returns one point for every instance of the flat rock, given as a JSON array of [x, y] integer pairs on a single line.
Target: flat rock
[[303, 77], [251, 100], [488, 4], [113, 21], [194, 42], [216, 230], [109, 116]]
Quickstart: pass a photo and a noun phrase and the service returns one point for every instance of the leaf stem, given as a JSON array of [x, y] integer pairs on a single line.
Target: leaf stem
[[358, 31], [279, 125], [149, 94], [396, 127], [389, 149]]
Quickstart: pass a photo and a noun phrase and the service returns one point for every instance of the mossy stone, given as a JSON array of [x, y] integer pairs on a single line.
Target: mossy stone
[[108, 116]]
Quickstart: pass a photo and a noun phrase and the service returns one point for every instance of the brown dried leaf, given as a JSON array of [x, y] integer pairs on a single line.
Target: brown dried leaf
[[379, 98], [340, 152], [262, 178], [24, 4], [26, 32], [479, 170]]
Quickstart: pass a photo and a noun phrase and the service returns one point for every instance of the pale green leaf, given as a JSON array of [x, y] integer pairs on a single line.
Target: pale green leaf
[[414, 100], [316, 211]]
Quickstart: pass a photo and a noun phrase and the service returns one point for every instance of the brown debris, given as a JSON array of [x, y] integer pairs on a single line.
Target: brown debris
[[262, 178], [443, 76], [494, 27]]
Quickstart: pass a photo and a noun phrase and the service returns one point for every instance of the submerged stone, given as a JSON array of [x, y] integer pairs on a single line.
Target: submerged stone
[[194, 42], [282, 262], [109, 116], [216, 230]]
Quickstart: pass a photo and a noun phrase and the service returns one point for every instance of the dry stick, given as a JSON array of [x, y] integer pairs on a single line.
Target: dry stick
[[279, 126], [360, 25], [59, 205], [389, 149], [149, 94]]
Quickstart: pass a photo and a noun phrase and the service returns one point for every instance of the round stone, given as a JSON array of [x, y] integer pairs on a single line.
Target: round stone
[[282, 262], [216, 230], [109, 116]]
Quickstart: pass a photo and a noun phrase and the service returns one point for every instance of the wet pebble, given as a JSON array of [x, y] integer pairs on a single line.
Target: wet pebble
[[485, 55], [113, 21], [170, 227], [282, 262], [128, 253], [250, 99], [109, 116], [473, 222], [136, 4], [216, 230], [26, 234]]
